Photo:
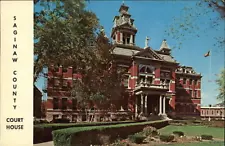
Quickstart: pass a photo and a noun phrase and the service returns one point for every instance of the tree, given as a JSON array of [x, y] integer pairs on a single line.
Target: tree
[[101, 83], [221, 83], [185, 26], [62, 30]]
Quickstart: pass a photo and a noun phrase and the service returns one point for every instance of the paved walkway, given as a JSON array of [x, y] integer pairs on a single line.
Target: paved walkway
[[45, 144]]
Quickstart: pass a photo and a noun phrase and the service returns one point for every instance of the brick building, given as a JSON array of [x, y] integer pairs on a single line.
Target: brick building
[[212, 113], [155, 82]]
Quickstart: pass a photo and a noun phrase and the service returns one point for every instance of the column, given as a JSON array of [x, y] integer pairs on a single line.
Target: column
[[146, 101], [160, 105], [131, 39], [164, 105], [142, 105], [121, 38], [136, 106]]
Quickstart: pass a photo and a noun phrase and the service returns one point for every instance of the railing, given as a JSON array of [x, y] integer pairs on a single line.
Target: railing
[[150, 85]]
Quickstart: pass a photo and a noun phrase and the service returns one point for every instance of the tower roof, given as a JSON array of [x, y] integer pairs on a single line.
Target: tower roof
[[164, 45], [123, 21], [123, 8]]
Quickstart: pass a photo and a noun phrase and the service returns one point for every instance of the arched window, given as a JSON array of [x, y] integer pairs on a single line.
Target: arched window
[[146, 69]]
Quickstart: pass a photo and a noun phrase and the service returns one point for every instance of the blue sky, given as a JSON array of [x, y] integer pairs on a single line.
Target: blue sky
[[152, 19]]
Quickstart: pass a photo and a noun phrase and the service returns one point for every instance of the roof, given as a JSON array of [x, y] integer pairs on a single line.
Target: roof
[[124, 51], [186, 70], [164, 45], [149, 52], [167, 58]]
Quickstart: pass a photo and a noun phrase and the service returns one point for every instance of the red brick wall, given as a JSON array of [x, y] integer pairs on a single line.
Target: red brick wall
[[134, 73], [157, 76]]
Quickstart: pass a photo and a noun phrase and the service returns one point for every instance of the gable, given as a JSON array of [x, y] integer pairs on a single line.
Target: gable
[[148, 53]]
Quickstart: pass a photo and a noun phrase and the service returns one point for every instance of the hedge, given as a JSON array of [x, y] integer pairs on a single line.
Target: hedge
[[178, 133], [206, 137], [99, 135], [43, 132], [136, 138], [166, 138]]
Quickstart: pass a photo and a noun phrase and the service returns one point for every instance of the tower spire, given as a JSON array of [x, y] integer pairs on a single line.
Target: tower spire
[[146, 41]]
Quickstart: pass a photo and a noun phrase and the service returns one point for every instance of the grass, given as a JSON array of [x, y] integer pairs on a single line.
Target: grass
[[206, 143], [194, 130]]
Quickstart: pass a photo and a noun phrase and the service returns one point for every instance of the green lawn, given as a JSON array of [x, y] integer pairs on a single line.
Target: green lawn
[[194, 130], [206, 143]]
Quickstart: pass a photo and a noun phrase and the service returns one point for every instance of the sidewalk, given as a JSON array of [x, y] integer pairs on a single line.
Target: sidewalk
[[45, 144]]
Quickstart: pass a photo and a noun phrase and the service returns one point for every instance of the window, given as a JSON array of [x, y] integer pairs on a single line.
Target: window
[[190, 81], [55, 117], [184, 81], [190, 93], [56, 82], [149, 80], [162, 75], [74, 117], [162, 81], [212, 112], [142, 78], [64, 70], [55, 103], [56, 69], [125, 81], [74, 104], [64, 103], [64, 116], [148, 70], [167, 82], [167, 75], [195, 93], [64, 83], [128, 40], [195, 82], [114, 37]]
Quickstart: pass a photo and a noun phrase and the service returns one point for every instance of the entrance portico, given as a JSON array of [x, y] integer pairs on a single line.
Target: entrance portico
[[148, 104]]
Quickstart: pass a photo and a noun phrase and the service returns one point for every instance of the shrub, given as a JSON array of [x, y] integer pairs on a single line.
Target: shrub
[[40, 122], [178, 133], [207, 137], [197, 138], [120, 143], [150, 131], [136, 138], [166, 138]]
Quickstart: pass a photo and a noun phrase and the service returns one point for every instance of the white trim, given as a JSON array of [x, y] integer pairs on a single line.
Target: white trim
[[157, 79], [211, 107], [134, 77], [172, 81]]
